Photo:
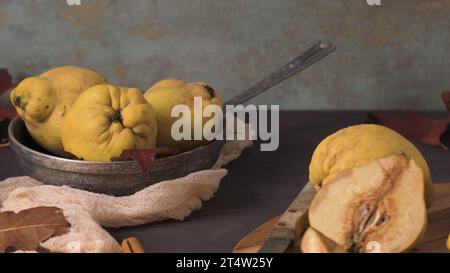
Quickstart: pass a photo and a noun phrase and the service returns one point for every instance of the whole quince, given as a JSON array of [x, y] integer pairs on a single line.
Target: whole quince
[[166, 94], [360, 145], [106, 120], [43, 101]]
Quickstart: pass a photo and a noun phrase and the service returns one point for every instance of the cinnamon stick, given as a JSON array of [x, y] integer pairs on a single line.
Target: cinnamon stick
[[4, 145], [132, 245]]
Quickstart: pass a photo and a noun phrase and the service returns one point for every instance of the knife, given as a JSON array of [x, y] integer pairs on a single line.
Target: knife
[[291, 224]]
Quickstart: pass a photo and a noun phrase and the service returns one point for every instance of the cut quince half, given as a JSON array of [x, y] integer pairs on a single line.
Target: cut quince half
[[314, 242], [379, 207], [359, 145]]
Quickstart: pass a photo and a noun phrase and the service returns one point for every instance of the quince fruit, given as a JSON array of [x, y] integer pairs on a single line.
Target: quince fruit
[[359, 145], [166, 94], [43, 101], [314, 242], [379, 207], [106, 120]]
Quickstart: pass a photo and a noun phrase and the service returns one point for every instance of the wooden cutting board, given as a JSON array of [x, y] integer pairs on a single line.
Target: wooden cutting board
[[434, 240]]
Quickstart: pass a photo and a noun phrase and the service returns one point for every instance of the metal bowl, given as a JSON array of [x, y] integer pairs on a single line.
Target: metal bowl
[[112, 178]]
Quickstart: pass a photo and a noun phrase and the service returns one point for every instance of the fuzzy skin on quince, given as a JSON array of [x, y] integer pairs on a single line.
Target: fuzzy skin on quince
[[106, 120], [359, 145], [166, 94], [43, 101]]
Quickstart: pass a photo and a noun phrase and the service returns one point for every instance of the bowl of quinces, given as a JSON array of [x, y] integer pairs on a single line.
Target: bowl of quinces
[[75, 128]]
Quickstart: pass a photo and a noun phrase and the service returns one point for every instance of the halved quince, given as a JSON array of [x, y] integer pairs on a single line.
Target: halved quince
[[379, 207], [359, 145], [314, 242], [106, 120]]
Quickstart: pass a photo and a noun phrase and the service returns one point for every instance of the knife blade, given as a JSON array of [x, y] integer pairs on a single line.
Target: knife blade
[[291, 224]]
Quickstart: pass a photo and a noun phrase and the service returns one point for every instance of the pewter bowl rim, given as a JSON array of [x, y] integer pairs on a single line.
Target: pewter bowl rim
[[17, 143]]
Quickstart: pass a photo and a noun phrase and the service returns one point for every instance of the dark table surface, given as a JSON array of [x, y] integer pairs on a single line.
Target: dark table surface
[[259, 186]]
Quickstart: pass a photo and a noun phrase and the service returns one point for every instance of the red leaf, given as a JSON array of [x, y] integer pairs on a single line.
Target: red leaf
[[416, 127], [145, 157], [166, 151], [6, 115], [5, 80], [446, 99], [7, 112], [445, 138], [4, 132]]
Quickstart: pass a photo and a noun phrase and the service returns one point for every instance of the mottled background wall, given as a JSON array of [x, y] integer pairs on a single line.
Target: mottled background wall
[[389, 57]]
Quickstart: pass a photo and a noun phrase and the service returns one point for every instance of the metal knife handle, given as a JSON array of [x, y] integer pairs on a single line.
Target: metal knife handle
[[311, 56], [293, 222]]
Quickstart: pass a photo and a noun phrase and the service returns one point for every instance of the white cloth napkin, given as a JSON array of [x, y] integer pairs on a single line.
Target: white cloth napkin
[[89, 212]]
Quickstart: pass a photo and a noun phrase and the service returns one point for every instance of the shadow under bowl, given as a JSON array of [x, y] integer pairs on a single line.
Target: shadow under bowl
[[112, 178]]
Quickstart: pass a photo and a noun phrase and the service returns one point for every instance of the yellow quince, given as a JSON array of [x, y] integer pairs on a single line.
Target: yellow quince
[[360, 145], [43, 101], [106, 120], [166, 94]]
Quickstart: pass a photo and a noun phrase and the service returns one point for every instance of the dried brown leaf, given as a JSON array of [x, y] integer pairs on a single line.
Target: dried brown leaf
[[27, 229]]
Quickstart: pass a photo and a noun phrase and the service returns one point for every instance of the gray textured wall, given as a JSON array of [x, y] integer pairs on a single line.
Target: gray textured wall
[[389, 57]]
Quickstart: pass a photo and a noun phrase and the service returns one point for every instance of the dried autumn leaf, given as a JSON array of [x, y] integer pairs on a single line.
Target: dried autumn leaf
[[145, 157], [6, 113], [446, 98], [166, 151], [5, 80], [416, 127], [445, 138], [27, 229], [4, 132]]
